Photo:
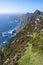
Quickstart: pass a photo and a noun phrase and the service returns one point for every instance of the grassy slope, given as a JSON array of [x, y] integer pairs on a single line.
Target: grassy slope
[[30, 57], [33, 54]]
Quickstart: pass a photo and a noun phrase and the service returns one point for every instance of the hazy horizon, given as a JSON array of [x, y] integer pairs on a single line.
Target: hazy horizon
[[20, 6]]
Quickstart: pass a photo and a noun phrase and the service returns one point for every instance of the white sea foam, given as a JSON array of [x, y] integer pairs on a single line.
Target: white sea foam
[[4, 42], [4, 34], [7, 33], [10, 31]]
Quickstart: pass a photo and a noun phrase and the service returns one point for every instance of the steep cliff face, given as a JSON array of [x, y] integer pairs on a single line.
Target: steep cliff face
[[28, 17], [31, 33]]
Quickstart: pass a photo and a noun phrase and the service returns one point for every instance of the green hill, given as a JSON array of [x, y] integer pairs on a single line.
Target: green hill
[[34, 52], [26, 48]]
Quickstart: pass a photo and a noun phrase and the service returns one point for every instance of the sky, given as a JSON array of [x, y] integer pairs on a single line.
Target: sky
[[20, 6]]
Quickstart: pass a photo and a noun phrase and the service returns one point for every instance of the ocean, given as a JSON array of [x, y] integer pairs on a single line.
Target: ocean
[[7, 24]]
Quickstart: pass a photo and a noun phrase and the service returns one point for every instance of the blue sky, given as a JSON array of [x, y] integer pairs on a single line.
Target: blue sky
[[20, 6]]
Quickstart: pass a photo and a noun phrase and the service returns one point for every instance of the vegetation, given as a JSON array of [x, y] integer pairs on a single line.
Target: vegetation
[[26, 48]]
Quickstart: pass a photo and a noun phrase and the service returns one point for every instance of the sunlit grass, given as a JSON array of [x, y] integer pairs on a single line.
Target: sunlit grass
[[30, 57]]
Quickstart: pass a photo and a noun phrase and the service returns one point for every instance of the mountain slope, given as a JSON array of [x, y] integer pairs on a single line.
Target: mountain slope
[[34, 52], [25, 44]]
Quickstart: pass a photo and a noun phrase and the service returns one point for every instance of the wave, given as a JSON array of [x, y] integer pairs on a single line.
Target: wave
[[7, 33], [4, 34], [4, 42], [10, 31]]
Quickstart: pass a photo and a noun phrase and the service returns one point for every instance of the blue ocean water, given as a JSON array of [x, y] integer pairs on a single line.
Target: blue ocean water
[[7, 24]]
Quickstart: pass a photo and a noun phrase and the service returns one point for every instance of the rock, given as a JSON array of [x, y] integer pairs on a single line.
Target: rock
[[41, 30], [6, 61]]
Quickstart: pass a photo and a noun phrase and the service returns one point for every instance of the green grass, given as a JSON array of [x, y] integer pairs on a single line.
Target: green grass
[[30, 57]]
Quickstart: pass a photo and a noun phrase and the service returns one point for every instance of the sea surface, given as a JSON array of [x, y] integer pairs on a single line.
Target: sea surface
[[7, 25]]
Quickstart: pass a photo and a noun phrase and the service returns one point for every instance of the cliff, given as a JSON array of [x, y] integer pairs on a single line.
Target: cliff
[[28, 43]]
